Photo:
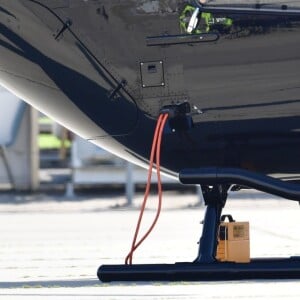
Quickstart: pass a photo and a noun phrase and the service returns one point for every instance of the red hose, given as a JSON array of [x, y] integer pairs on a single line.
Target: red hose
[[155, 150]]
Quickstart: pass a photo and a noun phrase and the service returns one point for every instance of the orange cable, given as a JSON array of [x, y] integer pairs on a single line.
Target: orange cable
[[129, 256], [156, 147], [147, 190], [159, 187]]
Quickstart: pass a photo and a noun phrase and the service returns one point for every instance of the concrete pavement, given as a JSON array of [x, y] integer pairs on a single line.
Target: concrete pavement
[[51, 247]]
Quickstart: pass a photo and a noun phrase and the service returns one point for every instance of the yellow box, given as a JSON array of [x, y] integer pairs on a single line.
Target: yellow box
[[233, 242]]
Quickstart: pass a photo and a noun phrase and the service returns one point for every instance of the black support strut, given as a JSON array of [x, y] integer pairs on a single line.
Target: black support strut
[[215, 199]]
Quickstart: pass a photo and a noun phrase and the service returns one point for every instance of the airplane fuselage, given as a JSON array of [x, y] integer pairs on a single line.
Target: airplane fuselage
[[105, 69]]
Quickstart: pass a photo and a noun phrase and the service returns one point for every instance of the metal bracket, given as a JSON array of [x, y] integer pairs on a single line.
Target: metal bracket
[[66, 25], [113, 94]]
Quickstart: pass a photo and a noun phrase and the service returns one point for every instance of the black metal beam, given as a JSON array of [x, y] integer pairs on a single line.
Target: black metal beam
[[275, 268], [261, 182]]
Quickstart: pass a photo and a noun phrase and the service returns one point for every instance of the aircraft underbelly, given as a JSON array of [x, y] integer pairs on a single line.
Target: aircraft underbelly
[[119, 62], [246, 84]]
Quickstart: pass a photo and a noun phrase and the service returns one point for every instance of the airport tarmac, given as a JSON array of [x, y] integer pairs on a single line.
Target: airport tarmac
[[51, 247]]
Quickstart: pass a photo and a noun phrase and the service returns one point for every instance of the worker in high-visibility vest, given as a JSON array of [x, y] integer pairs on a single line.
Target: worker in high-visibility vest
[[205, 23]]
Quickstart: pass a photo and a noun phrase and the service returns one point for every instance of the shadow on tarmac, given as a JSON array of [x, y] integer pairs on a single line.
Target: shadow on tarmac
[[51, 284]]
